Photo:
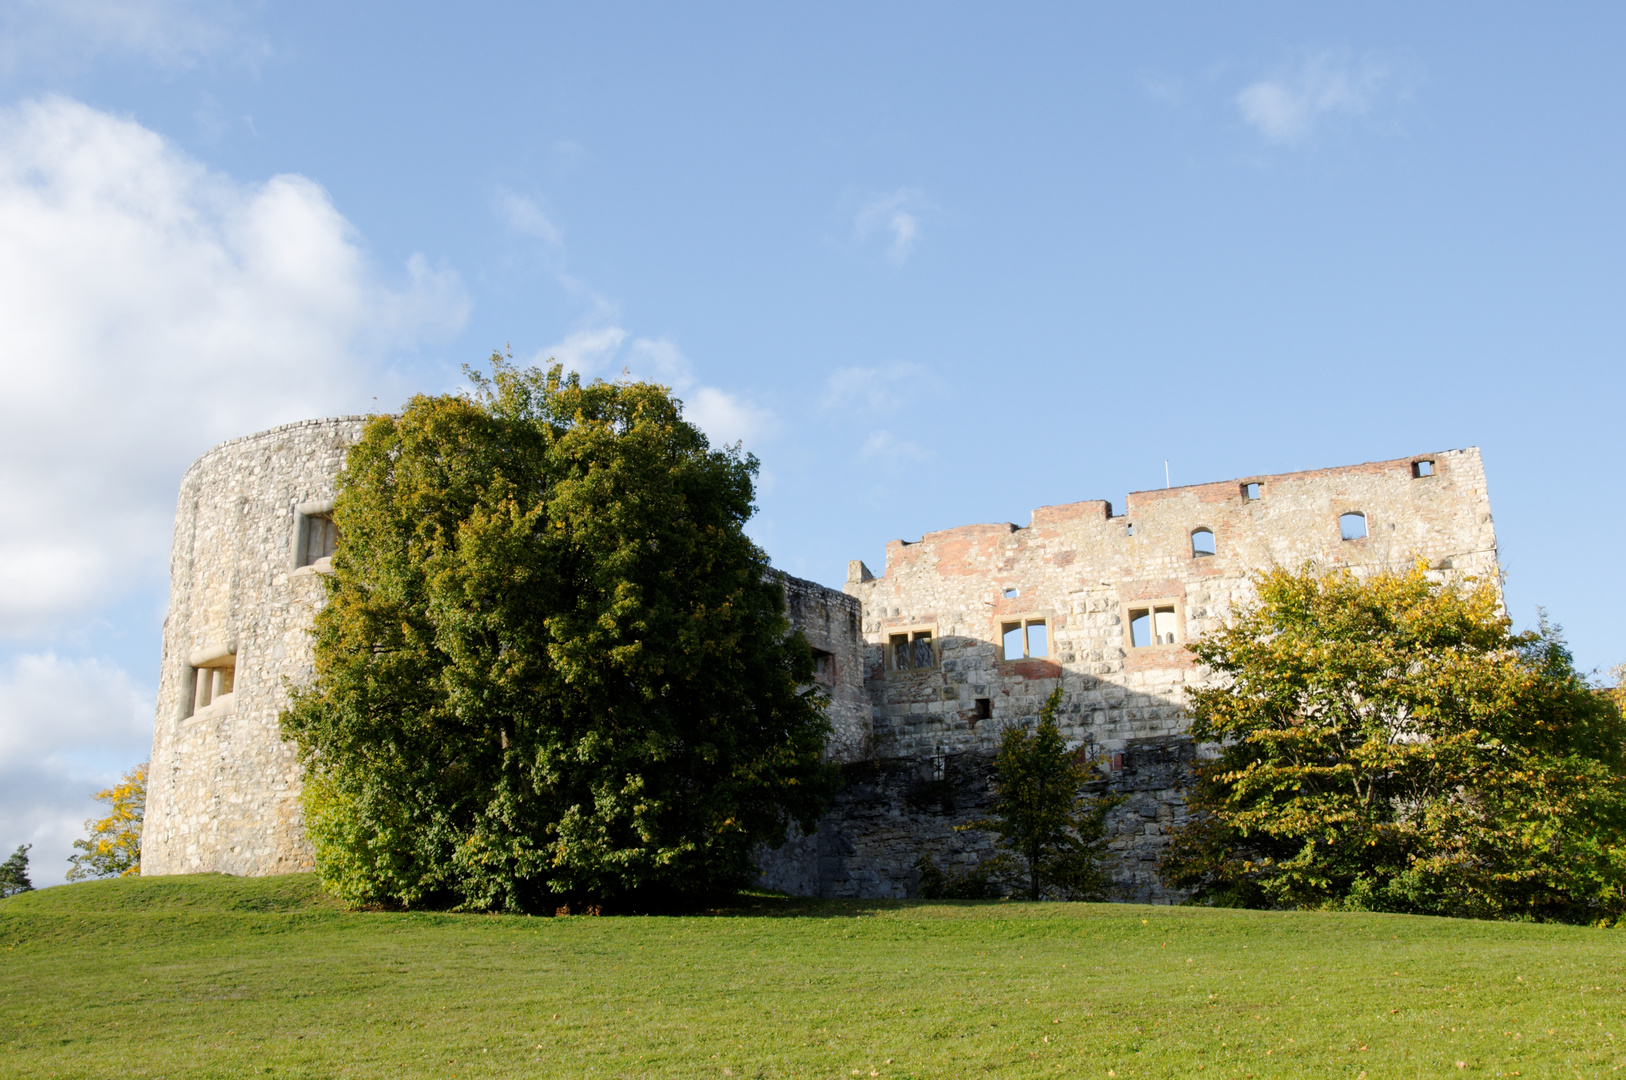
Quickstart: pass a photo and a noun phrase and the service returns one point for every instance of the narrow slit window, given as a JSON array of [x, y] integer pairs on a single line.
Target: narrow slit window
[[915, 650], [1140, 627], [1352, 526], [1250, 492], [1420, 469], [1202, 542]]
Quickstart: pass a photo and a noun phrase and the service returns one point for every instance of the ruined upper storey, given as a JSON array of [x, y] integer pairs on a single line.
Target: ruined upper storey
[[980, 622]]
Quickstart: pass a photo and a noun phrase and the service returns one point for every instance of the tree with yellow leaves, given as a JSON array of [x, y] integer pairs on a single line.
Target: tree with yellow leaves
[[113, 846], [1392, 744]]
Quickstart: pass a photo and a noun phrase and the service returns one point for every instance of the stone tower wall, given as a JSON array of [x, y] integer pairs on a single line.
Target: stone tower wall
[[223, 789]]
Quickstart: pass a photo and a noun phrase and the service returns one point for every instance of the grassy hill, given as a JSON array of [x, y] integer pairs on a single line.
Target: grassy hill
[[215, 976]]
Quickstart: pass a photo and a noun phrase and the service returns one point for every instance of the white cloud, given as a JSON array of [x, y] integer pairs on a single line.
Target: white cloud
[[886, 446], [68, 728], [526, 218], [168, 33], [895, 214], [149, 308], [1287, 108], [606, 352], [725, 417], [875, 389]]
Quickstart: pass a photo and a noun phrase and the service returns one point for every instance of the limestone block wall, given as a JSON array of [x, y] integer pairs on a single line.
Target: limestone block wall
[[223, 788], [830, 620], [1079, 570]]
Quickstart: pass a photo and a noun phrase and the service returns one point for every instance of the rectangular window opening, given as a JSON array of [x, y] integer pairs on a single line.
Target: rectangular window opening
[[1140, 628], [1420, 469], [1250, 492], [824, 667], [1026, 639], [318, 538], [912, 651], [212, 683], [985, 708]]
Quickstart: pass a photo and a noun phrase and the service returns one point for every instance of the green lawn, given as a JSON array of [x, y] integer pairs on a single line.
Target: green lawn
[[215, 976]]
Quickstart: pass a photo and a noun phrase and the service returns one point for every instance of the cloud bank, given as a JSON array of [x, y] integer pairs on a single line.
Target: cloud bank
[[149, 308]]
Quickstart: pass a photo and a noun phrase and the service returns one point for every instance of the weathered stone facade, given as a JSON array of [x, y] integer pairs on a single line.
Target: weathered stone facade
[[223, 787], [966, 632], [1076, 573]]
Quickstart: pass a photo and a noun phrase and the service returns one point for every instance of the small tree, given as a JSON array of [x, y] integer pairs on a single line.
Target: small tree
[[112, 847], [1391, 744], [1052, 833], [14, 873]]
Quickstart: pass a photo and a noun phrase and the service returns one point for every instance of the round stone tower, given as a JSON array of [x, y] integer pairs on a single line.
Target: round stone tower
[[253, 532]]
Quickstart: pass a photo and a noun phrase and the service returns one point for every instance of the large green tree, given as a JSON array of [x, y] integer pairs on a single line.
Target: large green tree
[[1391, 743], [552, 668]]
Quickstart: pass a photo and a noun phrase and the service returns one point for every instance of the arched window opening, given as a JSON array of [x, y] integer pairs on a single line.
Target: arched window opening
[[1202, 542], [1352, 526]]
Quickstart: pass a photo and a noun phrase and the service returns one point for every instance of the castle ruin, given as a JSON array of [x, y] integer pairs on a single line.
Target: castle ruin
[[964, 632]]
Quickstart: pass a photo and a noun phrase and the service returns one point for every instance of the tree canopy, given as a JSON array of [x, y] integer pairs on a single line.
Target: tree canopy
[[112, 846], [1391, 744], [552, 668], [14, 873]]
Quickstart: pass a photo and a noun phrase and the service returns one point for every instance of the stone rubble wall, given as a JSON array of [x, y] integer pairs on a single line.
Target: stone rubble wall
[[829, 620], [892, 811], [1081, 569], [223, 788]]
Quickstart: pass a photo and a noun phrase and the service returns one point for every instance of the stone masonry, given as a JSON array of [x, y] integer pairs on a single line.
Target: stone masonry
[[1062, 590], [223, 787], [966, 631]]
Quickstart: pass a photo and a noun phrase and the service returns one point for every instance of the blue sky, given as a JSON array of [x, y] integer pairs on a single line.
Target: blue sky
[[934, 264]]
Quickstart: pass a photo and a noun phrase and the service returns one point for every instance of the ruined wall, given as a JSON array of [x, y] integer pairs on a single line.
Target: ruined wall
[[1078, 570], [222, 792], [830, 621]]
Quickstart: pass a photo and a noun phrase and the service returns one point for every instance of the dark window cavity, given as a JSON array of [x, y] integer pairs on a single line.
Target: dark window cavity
[[985, 708], [912, 651]]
